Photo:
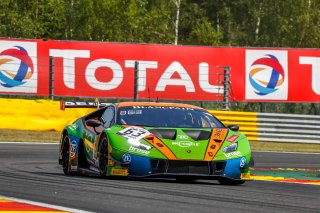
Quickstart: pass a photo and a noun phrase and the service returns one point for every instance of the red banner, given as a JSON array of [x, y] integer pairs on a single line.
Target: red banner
[[100, 69]]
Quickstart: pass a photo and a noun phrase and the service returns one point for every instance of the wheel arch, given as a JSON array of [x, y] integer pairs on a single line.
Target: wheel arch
[[73, 139]]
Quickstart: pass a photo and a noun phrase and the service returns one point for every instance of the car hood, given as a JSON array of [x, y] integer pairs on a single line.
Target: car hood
[[178, 143]]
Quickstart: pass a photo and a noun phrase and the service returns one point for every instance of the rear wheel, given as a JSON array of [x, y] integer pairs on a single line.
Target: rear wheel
[[65, 154], [103, 155], [231, 182]]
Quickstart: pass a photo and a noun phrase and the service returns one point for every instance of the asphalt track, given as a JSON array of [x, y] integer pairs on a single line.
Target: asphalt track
[[31, 171]]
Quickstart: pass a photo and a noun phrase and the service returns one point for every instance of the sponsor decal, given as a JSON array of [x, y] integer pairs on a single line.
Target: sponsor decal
[[119, 172], [231, 148], [18, 70], [73, 150], [185, 144], [162, 107], [140, 151], [78, 104], [232, 154], [126, 158], [131, 112], [182, 137], [111, 163], [266, 74], [243, 162], [233, 138], [74, 168], [134, 132], [73, 127], [219, 134]]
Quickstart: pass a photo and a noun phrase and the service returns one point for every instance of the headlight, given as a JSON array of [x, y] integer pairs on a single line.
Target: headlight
[[231, 148]]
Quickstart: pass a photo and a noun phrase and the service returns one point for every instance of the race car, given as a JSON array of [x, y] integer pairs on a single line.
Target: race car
[[152, 139]]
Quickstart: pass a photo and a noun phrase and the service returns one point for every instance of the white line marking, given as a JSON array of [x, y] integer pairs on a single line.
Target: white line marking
[[17, 142], [44, 205], [288, 182], [307, 153], [51, 143]]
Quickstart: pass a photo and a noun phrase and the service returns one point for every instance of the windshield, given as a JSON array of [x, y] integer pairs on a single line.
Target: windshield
[[163, 116]]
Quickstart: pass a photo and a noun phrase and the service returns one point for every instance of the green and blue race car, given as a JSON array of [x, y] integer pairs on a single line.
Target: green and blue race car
[[148, 139]]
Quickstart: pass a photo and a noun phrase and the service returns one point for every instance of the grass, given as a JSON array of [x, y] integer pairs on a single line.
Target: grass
[[9, 135], [285, 147]]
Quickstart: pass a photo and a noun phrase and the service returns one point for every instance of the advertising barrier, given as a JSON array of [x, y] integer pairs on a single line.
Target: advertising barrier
[[104, 69], [45, 115], [41, 115]]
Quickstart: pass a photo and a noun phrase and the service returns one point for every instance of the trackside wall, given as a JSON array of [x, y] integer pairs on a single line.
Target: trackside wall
[[246, 120], [274, 127], [42, 115], [45, 115]]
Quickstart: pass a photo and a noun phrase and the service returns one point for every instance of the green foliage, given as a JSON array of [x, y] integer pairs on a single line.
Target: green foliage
[[265, 23], [259, 23]]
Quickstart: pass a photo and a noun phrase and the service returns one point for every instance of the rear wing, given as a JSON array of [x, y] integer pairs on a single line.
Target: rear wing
[[81, 104]]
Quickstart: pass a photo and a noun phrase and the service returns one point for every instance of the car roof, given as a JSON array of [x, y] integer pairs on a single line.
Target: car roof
[[126, 104]]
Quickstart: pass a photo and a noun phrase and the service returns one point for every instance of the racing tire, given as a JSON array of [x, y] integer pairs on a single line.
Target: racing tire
[[65, 154], [103, 155], [231, 182]]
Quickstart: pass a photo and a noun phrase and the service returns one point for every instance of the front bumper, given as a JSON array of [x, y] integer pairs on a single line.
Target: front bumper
[[139, 166]]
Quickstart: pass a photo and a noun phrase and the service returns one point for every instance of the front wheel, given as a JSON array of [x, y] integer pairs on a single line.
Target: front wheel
[[103, 155], [231, 182], [65, 154]]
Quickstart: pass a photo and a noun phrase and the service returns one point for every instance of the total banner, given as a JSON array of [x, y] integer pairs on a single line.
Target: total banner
[[107, 70]]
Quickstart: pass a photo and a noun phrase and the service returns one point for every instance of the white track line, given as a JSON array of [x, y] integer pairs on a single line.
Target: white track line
[[308, 153], [19, 142], [51, 143], [44, 205]]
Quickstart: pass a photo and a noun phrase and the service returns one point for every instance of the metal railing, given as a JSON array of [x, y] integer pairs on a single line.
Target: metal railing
[[288, 128], [273, 127]]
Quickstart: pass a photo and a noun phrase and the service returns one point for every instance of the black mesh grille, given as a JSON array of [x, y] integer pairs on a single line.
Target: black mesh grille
[[219, 166], [189, 167], [186, 167], [158, 166]]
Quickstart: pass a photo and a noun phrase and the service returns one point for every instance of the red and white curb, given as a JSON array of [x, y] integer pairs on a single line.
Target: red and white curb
[[15, 205]]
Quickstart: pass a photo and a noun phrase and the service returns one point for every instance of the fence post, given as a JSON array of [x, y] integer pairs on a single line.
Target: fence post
[[226, 84], [51, 78], [136, 78]]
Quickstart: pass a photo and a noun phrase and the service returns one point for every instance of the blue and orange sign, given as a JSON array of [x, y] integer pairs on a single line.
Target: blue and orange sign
[[276, 79], [23, 71]]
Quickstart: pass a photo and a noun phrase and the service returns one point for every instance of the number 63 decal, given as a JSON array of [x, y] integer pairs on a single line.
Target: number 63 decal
[[134, 132]]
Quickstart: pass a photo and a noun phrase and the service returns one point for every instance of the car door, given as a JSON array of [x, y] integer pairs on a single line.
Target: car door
[[106, 117]]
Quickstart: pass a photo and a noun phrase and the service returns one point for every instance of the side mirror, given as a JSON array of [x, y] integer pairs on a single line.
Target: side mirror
[[233, 127], [93, 123]]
